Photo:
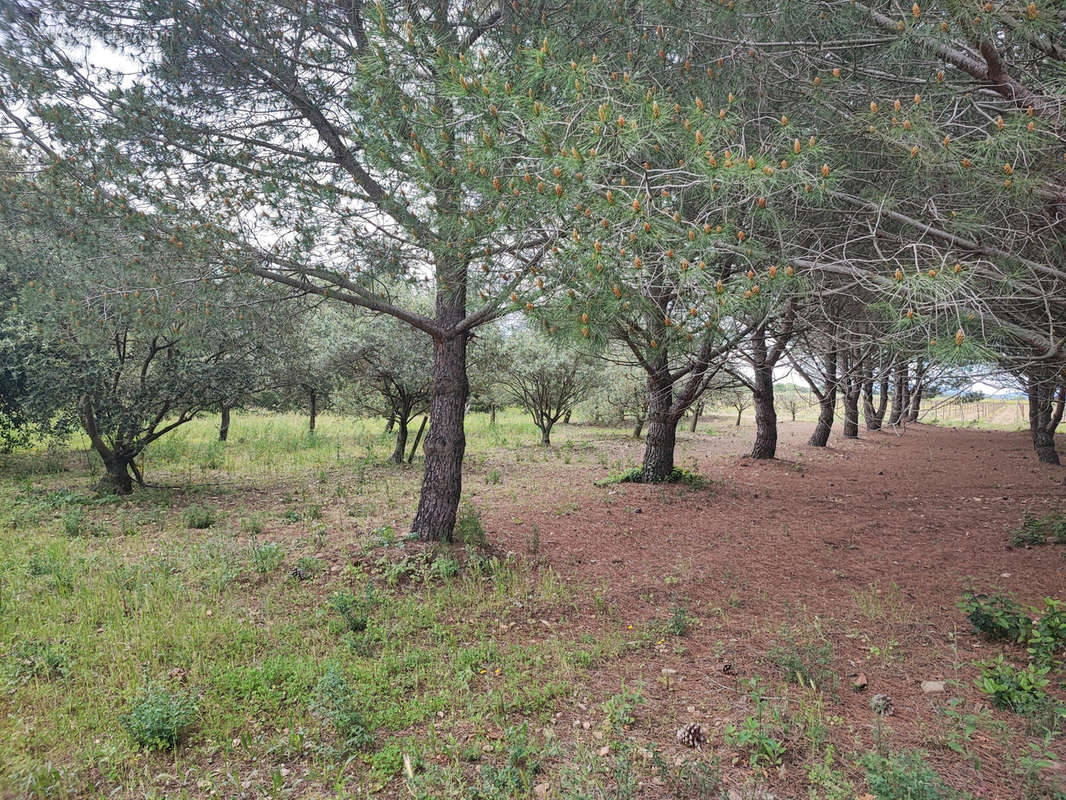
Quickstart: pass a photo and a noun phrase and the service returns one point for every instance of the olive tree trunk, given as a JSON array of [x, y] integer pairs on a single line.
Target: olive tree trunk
[[223, 425]]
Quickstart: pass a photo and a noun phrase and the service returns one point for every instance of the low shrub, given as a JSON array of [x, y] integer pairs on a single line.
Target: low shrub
[[996, 616], [159, 718]]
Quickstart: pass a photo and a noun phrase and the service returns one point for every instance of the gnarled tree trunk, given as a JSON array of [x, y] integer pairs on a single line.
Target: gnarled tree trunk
[[312, 410], [223, 425], [1046, 404], [398, 452], [118, 461]]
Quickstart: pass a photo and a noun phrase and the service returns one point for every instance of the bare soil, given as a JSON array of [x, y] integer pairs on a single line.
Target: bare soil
[[816, 541]]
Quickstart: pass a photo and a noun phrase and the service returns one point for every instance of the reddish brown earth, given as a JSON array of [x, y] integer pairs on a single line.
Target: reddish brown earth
[[790, 543]]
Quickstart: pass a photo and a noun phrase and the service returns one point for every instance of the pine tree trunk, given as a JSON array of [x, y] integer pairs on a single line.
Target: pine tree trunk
[[874, 415], [390, 423], [442, 480], [566, 418], [492, 414], [400, 449], [223, 425], [853, 383], [763, 396], [827, 403], [638, 427], [916, 404], [545, 435], [662, 429], [740, 413], [851, 412], [895, 416], [313, 410]]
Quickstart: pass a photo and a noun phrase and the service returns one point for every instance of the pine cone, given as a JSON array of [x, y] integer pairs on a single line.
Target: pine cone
[[881, 704], [301, 574], [691, 735]]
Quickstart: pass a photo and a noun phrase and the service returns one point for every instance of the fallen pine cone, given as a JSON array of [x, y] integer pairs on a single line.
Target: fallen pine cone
[[691, 735], [881, 704]]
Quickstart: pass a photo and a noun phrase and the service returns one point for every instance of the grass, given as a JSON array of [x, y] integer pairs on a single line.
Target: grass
[[170, 619], [265, 628]]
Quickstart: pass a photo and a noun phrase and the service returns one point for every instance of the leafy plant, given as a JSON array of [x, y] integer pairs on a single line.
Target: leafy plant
[[761, 735], [336, 702], [516, 776], [354, 611], [1036, 531], [996, 616], [1012, 687], [72, 521], [1048, 636], [197, 517], [43, 660], [443, 568], [158, 718], [267, 557], [619, 709], [804, 659], [904, 776], [680, 622], [468, 528]]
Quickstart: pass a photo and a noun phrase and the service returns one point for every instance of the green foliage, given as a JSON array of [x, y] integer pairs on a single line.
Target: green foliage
[[1047, 639], [158, 718], [197, 517], [336, 702], [680, 621], [620, 709], [267, 557], [762, 734], [517, 776], [804, 657], [636, 475], [354, 610], [38, 660], [1012, 687], [1038, 530], [828, 782], [468, 528], [72, 521], [904, 776], [996, 616]]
